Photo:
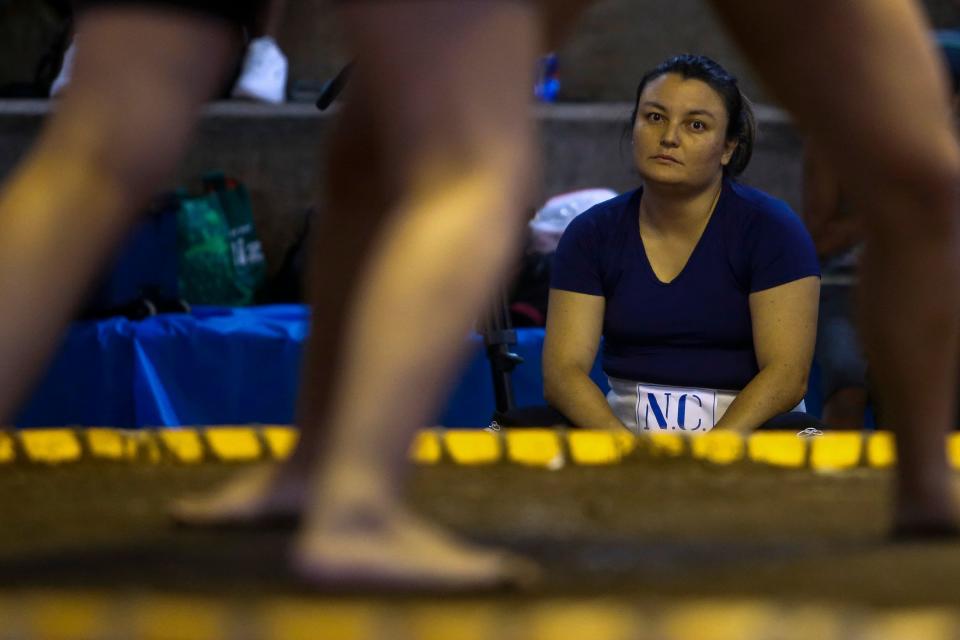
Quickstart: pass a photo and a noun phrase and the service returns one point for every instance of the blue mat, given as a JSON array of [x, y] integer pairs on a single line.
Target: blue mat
[[223, 366]]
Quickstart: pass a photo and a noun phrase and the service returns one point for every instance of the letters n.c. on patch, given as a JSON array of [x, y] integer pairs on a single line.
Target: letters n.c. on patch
[[661, 408]]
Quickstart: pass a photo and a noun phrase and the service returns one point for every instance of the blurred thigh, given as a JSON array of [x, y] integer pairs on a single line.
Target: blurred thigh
[[862, 78], [141, 74], [453, 76]]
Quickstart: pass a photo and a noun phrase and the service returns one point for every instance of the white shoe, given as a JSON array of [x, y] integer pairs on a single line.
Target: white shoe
[[66, 69], [264, 73]]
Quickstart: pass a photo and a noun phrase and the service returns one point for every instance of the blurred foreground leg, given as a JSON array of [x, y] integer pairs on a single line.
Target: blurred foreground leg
[[863, 80], [139, 81], [448, 87]]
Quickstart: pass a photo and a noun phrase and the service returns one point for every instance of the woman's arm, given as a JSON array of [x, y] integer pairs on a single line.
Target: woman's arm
[[784, 331], [574, 325]]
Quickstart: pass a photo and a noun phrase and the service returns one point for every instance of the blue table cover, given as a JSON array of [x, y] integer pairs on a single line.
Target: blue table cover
[[224, 366]]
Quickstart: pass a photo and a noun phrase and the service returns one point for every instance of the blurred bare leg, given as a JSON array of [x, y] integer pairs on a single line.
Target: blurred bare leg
[[559, 19], [845, 408], [271, 18], [139, 81], [341, 239], [356, 206], [448, 85], [863, 80]]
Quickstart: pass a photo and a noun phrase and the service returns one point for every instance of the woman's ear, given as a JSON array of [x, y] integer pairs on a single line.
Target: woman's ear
[[729, 148]]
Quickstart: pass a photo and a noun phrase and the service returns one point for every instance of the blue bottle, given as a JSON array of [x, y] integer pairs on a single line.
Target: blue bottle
[[548, 79]]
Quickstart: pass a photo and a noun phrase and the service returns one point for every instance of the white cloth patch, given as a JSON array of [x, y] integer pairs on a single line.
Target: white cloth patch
[[646, 408], [661, 408], [656, 408]]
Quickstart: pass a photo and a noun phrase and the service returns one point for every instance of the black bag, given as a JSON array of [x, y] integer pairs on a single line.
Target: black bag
[[143, 279]]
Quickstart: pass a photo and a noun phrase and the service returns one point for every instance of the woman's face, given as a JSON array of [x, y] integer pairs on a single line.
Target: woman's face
[[679, 135]]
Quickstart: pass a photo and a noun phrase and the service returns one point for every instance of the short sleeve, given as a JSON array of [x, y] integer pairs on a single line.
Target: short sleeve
[[781, 249], [577, 262]]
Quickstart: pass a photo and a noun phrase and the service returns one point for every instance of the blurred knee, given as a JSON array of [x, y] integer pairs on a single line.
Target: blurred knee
[[914, 195], [132, 155]]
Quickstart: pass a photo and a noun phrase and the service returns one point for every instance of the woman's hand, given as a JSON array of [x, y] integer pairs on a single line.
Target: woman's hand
[[574, 325], [784, 332]]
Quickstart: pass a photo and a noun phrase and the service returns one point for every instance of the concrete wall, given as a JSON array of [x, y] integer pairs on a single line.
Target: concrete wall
[[615, 41]]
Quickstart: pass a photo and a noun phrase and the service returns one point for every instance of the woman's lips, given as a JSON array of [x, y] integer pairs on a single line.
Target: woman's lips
[[666, 158]]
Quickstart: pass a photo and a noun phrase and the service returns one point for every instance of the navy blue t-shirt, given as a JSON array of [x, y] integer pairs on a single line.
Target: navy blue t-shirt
[[696, 330]]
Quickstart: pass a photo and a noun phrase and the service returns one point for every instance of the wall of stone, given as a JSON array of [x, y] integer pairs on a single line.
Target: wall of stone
[[614, 42]]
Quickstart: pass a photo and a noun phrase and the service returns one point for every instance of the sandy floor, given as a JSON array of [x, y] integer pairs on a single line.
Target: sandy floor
[[640, 529]]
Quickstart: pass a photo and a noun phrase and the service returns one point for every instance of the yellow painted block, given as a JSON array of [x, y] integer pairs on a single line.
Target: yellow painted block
[[881, 449], [473, 446], [927, 623], [8, 450], [67, 616], [836, 450], [593, 447], [281, 440], [456, 621], [234, 444], [953, 450], [13, 614], [50, 446], [535, 447], [671, 445], [144, 446], [733, 620], [626, 442], [719, 447], [185, 445], [777, 449], [313, 620], [425, 448], [107, 444], [179, 618], [572, 620], [808, 622]]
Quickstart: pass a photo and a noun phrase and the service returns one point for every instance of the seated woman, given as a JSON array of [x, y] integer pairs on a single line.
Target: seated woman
[[704, 290]]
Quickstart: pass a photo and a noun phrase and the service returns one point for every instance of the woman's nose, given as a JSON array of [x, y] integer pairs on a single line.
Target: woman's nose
[[669, 137]]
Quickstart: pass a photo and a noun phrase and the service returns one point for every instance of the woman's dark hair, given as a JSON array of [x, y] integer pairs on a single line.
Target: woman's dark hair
[[742, 125]]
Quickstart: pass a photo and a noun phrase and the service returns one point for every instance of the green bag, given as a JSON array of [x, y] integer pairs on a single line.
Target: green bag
[[221, 258]]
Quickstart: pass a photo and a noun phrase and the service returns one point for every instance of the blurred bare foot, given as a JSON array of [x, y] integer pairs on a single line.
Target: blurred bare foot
[[930, 513], [270, 496], [376, 549]]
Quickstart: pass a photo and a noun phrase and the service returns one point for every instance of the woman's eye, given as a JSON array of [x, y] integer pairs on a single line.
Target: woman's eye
[[698, 125], [654, 117]]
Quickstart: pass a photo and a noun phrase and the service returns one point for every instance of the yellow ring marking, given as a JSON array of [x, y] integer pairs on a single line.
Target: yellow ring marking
[[880, 450], [165, 617], [184, 445], [593, 447], [281, 440], [234, 444], [721, 621], [311, 620], [535, 448], [473, 447], [778, 449], [426, 448], [719, 447], [836, 451], [51, 446], [581, 620]]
